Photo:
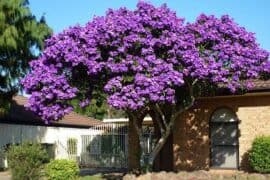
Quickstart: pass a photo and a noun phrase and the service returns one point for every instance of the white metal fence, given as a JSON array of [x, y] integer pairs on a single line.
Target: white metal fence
[[102, 146], [106, 146]]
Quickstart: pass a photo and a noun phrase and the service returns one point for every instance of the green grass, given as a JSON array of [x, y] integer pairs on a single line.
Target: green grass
[[94, 177]]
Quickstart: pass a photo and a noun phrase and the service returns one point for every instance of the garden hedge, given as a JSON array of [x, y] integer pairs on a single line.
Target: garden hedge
[[260, 154], [62, 169]]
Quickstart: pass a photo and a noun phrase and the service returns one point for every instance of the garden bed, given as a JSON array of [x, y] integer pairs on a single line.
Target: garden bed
[[198, 175]]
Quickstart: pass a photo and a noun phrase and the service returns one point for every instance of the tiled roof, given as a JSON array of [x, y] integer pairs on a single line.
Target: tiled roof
[[261, 85], [258, 85], [18, 114]]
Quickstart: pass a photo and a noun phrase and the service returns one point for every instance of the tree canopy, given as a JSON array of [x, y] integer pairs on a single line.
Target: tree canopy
[[143, 60], [141, 57], [98, 110], [21, 37]]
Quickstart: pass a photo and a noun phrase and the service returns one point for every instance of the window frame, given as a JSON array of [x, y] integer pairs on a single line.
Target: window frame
[[215, 123]]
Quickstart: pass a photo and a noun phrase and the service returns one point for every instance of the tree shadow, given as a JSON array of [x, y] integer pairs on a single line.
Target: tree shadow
[[192, 141], [113, 176]]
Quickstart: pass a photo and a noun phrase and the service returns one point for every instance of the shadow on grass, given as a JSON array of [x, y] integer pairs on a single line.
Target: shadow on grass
[[110, 176], [99, 173]]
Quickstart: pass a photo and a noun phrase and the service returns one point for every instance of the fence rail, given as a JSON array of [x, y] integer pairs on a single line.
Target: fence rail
[[106, 146]]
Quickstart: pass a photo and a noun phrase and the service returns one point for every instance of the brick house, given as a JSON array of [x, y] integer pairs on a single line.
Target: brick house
[[218, 132]]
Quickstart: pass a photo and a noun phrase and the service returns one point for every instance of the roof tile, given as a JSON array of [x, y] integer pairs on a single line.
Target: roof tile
[[18, 114]]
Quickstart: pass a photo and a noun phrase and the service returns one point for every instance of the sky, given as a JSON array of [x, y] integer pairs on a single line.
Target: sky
[[254, 15]]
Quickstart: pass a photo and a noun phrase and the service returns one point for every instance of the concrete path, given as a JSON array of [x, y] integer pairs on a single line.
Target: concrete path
[[5, 175]]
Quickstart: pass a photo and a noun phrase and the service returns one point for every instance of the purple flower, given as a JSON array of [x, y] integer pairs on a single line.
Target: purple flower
[[140, 57]]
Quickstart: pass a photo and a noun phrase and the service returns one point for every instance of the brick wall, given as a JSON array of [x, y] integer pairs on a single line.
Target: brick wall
[[191, 133]]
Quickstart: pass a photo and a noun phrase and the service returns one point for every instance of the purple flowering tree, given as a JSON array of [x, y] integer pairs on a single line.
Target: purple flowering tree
[[143, 61]]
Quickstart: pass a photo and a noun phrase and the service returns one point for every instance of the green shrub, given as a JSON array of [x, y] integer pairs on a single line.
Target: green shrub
[[2, 160], [62, 169], [260, 154], [26, 160]]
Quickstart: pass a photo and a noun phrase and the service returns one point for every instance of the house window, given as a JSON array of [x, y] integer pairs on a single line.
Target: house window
[[224, 139], [50, 149]]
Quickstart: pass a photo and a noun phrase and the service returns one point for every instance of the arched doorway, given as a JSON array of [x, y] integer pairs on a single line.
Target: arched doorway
[[224, 139]]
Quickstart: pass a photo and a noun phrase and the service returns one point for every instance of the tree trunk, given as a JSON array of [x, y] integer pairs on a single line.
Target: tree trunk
[[165, 124], [164, 117], [133, 148], [158, 147], [134, 143]]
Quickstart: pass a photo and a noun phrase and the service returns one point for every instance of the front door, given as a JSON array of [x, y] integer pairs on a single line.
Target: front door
[[224, 139]]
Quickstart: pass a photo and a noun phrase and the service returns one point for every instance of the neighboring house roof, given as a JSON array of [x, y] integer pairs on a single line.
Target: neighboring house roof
[[19, 115], [261, 85]]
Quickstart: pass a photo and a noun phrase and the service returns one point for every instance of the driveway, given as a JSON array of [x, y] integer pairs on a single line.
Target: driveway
[[5, 175]]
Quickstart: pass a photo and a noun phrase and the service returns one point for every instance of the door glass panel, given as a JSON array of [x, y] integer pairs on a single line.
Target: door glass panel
[[224, 134], [224, 156], [223, 115]]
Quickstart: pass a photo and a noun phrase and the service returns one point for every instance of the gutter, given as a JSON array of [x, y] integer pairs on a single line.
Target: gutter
[[249, 94]]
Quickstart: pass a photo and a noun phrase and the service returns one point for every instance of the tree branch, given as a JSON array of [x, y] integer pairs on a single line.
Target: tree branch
[[158, 147], [170, 126], [175, 115], [139, 115], [168, 130], [158, 109], [194, 82], [157, 118]]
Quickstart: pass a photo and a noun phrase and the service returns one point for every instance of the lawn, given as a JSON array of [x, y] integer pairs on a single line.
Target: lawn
[[94, 177]]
